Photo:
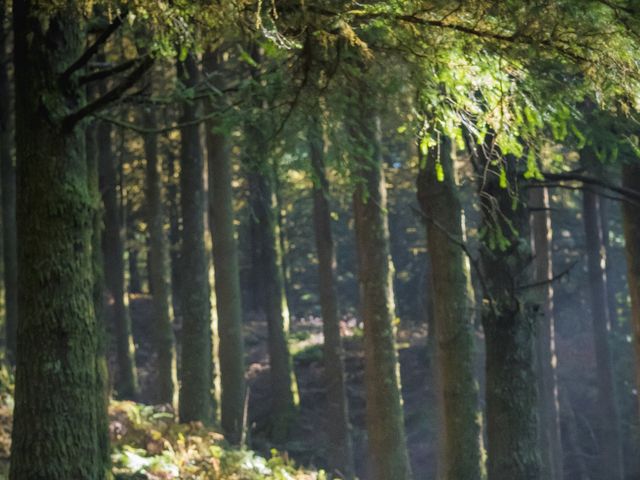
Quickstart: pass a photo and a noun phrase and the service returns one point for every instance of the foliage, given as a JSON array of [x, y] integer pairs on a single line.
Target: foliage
[[148, 444]]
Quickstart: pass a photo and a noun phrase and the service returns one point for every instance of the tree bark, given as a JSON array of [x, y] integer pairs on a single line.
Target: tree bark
[[126, 383], [338, 428], [549, 415], [227, 277], [384, 415], [102, 372], [268, 273], [135, 279], [160, 287], [55, 430], [608, 424], [197, 402], [8, 174], [453, 315], [631, 223], [509, 320], [608, 266], [173, 204]]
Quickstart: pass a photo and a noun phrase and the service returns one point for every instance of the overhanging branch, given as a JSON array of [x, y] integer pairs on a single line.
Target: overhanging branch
[[93, 48], [112, 95]]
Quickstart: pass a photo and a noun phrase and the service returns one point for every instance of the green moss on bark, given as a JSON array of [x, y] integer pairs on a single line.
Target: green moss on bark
[[453, 322], [196, 399], [57, 430]]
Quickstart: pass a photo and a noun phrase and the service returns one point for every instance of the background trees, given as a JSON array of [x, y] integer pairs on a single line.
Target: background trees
[[314, 119]]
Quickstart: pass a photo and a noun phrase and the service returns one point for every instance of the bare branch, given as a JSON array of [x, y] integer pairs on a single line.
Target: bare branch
[[93, 48], [111, 96], [108, 72]]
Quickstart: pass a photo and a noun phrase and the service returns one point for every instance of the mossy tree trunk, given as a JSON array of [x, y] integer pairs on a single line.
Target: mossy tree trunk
[[548, 409], [8, 178], [452, 298], [608, 427], [338, 428], [102, 372], [267, 271], [157, 259], [283, 390], [384, 415], [126, 381], [631, 224], [173, 207], [197, 402], [509, 320], [227, 277], [56, 424]]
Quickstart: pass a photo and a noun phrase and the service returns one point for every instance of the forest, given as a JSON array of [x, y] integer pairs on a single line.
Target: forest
[[320, 239]]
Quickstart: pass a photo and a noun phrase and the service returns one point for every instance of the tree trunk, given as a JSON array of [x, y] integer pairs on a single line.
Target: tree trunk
[[268, 273], [631, 223], [8, 175], [126, 383], [608, 265], [160, 287], [227, 277], [608, 424], [509, 321], [338, 428], [197, 402], [55, 432], [283, 240], [283, 390], [549, 415], [102, 372], [453, 315], [174, 233], [384, 415], [135, 280]]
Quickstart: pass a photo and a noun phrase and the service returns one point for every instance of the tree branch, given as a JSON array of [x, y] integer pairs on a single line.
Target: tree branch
[[547, 281], [577, 177], [107, 72], [112, 95], [93, 48]]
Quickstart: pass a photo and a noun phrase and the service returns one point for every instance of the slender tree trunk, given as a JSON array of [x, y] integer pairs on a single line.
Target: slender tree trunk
[[174, 232], [509, 321], [227, 277], [385, 418], [283, 388], [453, 315], [197, 402], [608, 425], [126, 383], [283, 240], [577, 465], [55, 430], [160, 287], [8, 175], [135, 279], [549, 415], [631, 223], [608, 268], [338, 428], [267, 268]]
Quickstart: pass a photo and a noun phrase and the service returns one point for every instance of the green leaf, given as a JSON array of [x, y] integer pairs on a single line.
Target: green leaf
[[532, 167], [424, 145], [439, 172], [503, 177], [184, 51]]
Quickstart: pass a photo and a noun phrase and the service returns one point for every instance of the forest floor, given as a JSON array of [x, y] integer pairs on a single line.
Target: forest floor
[[307, 443], [148, 438]]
